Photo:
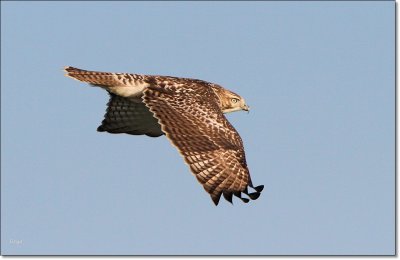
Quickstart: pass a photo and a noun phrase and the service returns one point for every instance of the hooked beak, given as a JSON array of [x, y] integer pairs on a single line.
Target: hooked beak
[[246, 108]]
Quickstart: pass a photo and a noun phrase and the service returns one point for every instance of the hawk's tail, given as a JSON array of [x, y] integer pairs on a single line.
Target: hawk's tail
[[91, 77]]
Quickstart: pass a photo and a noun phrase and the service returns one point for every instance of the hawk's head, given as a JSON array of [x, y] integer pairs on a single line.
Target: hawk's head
[[230, 101]]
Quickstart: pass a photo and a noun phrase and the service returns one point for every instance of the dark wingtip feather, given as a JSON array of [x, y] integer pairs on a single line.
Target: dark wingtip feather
[[100, 129], [254, 195], [70, 69], [245, 200], [215, 199], [228, 196], [239, 195], [259, 188]]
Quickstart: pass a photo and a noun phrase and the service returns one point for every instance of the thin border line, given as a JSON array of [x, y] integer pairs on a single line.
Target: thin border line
[[315, 255]]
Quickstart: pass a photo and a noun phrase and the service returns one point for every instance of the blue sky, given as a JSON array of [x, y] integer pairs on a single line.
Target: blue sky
[[318, 76]]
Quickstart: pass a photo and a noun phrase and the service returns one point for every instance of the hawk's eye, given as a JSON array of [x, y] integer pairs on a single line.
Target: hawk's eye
[[234, 100]]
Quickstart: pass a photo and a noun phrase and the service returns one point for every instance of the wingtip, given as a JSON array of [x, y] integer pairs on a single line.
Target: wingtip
[[68, 68], [259, 188], [239, 195], [245, 200], [215, 202], [254, 195], [215, 198], [228, 196], [72, 72]]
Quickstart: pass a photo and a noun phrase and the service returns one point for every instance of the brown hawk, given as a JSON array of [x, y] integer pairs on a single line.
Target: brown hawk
[[190, 113]]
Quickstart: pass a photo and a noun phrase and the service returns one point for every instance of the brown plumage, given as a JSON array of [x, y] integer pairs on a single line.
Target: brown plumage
[[190, 113]]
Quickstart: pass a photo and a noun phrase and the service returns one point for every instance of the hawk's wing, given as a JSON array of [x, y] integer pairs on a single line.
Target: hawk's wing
[[108, 79], [130, 116], [125, 113], [192, 120]]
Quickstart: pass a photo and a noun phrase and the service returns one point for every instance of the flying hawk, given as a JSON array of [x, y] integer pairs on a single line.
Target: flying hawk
[[190, 113]]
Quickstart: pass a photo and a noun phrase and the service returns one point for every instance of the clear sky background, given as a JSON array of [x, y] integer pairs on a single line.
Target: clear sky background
[[320, 80]]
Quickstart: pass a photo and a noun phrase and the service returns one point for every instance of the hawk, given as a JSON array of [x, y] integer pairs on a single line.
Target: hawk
[[190, 112]]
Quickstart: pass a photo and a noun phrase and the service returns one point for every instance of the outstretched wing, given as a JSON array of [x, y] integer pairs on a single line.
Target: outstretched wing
[[126, 112], [192, 120], [130, 116]]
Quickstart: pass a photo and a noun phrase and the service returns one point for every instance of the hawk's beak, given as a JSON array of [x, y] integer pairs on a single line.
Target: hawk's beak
[[246, 108]]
